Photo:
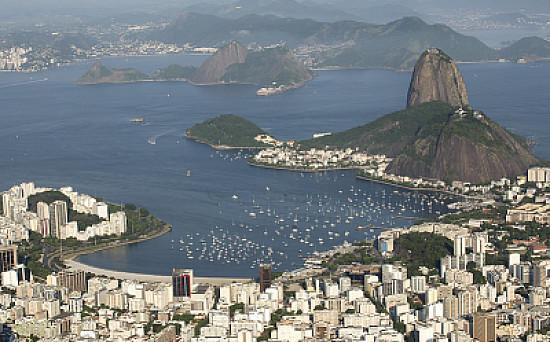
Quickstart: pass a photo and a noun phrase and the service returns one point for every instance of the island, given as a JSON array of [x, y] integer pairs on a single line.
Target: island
[[98, 74], [275, 69], [229, 131]]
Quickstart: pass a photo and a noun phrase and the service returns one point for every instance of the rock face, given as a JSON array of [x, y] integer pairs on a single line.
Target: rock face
[[436, 77], [214, 68], [488, 153]]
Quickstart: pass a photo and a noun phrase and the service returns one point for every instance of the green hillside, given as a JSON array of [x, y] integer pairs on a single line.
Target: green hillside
[[174, 72], [227, 130], [273, 66]]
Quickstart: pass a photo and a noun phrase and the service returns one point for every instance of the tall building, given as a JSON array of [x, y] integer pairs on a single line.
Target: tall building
[[418, 284], [467, 302], [460, 245], [43, 213], [450, 307], [73, 280], [182, 282], [58, 218], [484, 327], [265, 277], [539, 275], [8, 258]]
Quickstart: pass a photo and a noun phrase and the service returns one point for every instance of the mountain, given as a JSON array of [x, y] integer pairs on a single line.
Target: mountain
[[342, 44], [214, 68], [269, 67], [436, 77], [431, 140], [529, 48], [233, 63], [437, 139], [101, 74], [228, 131]]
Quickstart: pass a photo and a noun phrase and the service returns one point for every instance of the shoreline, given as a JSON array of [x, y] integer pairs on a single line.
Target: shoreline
[[301, 170], [222, 147], [93, 249], [151, 278], [380, 181]]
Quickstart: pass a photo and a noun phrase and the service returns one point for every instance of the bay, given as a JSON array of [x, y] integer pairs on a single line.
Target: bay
[[56, 133]]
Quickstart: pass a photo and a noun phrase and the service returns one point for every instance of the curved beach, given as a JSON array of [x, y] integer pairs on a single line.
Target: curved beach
[[151, 278]]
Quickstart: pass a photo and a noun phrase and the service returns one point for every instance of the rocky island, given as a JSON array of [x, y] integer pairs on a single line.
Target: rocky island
[[229, 131]]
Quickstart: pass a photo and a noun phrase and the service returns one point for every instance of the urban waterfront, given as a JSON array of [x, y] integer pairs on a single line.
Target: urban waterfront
[[56, 133]]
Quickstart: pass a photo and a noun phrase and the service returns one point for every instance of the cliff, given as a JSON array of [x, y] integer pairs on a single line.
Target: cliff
[[100, 74], [214, 68], [436, 77]]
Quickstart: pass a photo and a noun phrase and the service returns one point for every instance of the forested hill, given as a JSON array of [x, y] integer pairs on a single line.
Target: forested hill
[[228, 131]]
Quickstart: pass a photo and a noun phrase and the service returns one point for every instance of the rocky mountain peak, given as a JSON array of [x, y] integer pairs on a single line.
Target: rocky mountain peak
[[213, 69], [436, 77]]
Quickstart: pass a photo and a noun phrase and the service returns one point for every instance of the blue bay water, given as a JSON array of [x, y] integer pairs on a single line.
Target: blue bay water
[[56, 133]]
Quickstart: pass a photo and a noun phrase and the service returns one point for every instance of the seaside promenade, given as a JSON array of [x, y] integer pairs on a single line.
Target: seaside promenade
[[152, 278]]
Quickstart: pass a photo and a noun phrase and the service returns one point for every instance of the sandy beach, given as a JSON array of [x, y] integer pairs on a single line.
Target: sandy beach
[[75, 265]]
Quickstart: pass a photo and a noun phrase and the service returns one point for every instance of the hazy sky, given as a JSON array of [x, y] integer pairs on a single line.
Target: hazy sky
[[34, 9]]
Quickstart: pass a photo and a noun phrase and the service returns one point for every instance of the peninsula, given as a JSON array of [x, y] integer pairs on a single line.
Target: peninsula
[[275, 69], [439, 136]]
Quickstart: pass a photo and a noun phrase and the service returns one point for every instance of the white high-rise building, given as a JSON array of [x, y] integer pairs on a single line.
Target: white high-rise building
[[418, 284], [58, 218], [43, 213], [118, 222], [460, 245]]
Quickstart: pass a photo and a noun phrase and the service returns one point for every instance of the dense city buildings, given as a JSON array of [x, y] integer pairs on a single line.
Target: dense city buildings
[[490, 282]]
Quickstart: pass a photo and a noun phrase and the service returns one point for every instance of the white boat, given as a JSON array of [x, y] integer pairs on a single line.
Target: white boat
[[234, 197]]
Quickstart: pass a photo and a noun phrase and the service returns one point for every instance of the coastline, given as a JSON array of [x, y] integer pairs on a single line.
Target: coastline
[[380, 181], [151, 278], [222, 147], [301, 170], [92, 249]]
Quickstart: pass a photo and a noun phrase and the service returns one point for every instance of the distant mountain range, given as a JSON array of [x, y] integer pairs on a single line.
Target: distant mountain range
[[345, 44]]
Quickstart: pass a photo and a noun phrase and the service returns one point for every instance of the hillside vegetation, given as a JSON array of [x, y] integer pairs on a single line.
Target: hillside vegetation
[[430, 140], [226, 130]]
